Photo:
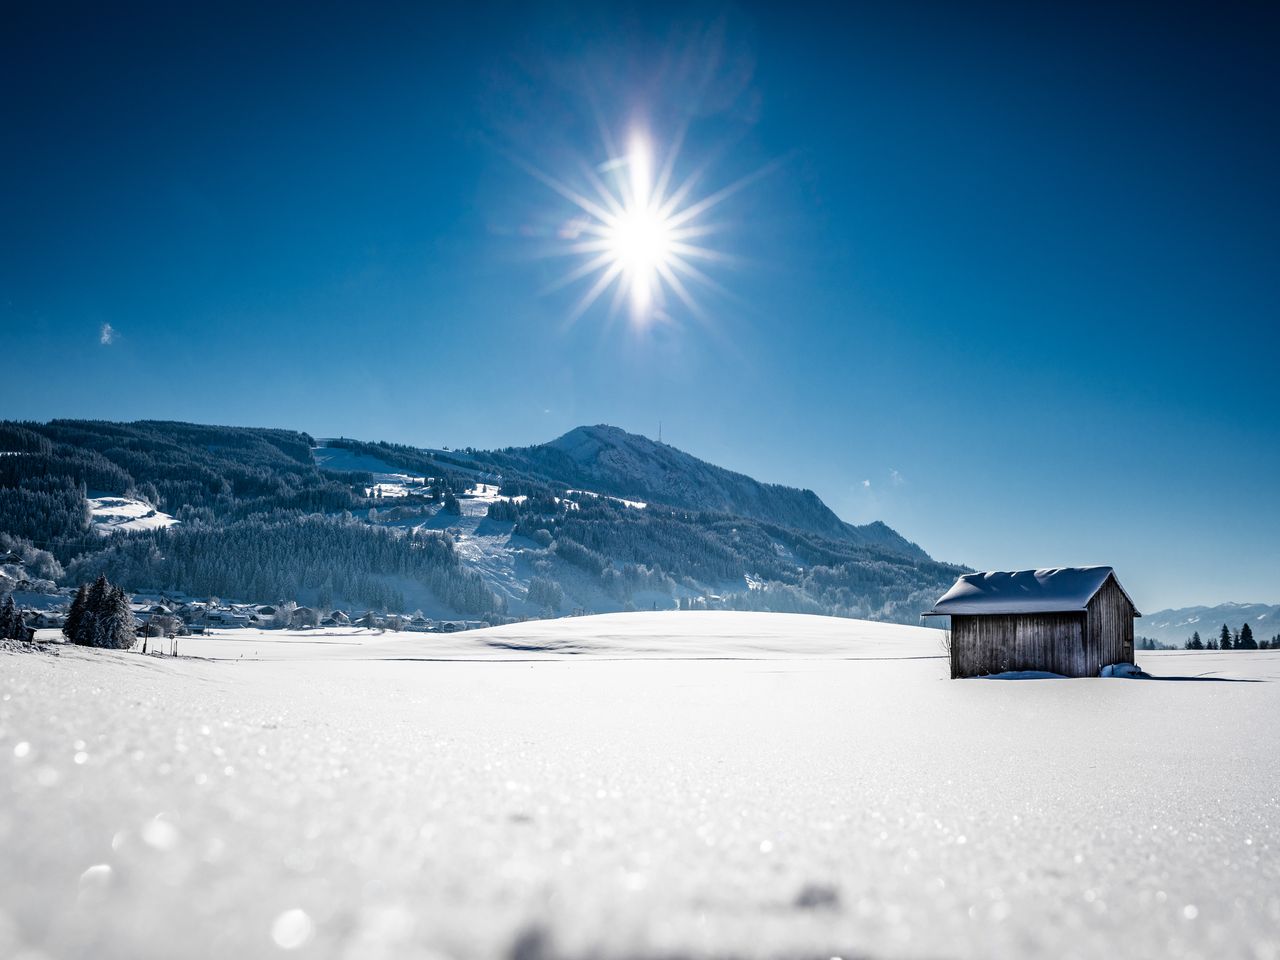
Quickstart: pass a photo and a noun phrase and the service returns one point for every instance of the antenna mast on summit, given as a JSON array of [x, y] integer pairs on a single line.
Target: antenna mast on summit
[[659, 431]]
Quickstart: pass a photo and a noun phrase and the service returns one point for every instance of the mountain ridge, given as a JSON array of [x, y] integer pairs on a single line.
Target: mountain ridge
[[1175, 625], [632, 465]]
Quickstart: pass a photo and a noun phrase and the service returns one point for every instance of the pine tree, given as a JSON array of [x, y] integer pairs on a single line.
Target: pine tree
[[76, 613], [1224, 638], [1246, 638], [114, 627], [8, 618], [1195, 642], [95, 606]]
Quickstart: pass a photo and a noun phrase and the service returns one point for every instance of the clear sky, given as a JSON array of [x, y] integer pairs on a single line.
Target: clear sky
[[1004, 277]]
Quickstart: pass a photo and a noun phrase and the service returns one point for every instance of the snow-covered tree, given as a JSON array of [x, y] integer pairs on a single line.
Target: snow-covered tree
[[284, 614], [9, 620], [545, 593], [95, 605], [114, 628], [76, 614]]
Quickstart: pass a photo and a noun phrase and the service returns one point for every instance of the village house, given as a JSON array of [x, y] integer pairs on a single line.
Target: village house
[[302, 617], [44, 619], [1071, 621]]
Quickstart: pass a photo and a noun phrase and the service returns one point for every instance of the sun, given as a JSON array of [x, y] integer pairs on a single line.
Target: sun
[[640, 240], [637, 233]]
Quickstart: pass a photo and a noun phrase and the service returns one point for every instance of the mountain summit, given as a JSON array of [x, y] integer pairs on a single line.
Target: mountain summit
[[613, 461]]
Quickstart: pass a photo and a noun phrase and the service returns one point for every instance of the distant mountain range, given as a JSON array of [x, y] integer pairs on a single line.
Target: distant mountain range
[[596, 520], [1177, 626]]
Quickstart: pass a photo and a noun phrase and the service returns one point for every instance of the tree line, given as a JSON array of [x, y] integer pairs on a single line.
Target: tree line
[[1228, 639], [293, 557]]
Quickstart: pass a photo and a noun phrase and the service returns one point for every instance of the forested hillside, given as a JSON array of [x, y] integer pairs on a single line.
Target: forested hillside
[[247, 513]]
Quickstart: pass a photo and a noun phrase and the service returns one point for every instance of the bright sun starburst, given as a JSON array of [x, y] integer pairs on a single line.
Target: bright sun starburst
[[636, 235]]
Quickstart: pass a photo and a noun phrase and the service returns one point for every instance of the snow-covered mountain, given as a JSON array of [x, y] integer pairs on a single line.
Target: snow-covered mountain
[[595, 520], [612, 461], [1176, 626]]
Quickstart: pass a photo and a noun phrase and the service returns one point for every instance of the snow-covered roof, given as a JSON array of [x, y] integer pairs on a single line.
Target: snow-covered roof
[[1048, 590]]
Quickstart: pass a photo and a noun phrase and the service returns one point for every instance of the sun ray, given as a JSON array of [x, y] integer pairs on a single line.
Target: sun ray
[[669, 166], [680, 290], [588, 268], [573, 196], [705, 204], [701, 253], [592, 295]]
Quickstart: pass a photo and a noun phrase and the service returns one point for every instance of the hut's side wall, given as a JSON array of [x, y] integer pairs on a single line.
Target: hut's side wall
[[1045, 641], [1109, 626]]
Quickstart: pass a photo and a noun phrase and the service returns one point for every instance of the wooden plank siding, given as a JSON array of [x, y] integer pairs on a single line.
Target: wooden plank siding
[[1109, 626], [996, 643]]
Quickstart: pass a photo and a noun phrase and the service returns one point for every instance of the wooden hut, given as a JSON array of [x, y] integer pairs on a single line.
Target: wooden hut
[[1067, 620]]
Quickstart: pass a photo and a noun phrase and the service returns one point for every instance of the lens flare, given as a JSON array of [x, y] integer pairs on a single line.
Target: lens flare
[[636, 234]]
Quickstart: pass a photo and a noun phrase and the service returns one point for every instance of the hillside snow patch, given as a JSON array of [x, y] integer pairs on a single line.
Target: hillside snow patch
[[125, 515]]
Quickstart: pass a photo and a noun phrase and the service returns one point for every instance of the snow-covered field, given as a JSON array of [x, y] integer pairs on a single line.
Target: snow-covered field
[[592, 789], [110, 515]]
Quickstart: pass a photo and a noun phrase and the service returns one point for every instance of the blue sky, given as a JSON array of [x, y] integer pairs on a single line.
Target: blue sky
[[1007, 283]]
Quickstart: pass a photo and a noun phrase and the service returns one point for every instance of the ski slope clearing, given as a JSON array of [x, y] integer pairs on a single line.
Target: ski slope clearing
[[110, 515], [634, 504], [343, 460], [389, 481], [364, 805]]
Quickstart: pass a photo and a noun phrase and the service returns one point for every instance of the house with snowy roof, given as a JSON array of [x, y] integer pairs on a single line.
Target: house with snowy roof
[[1067, 620]]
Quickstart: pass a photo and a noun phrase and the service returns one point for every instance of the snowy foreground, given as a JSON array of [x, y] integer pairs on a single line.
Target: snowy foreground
[[593, 787]]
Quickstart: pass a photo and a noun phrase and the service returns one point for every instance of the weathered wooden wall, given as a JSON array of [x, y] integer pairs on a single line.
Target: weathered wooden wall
[[1109, 625], [995, 643]]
